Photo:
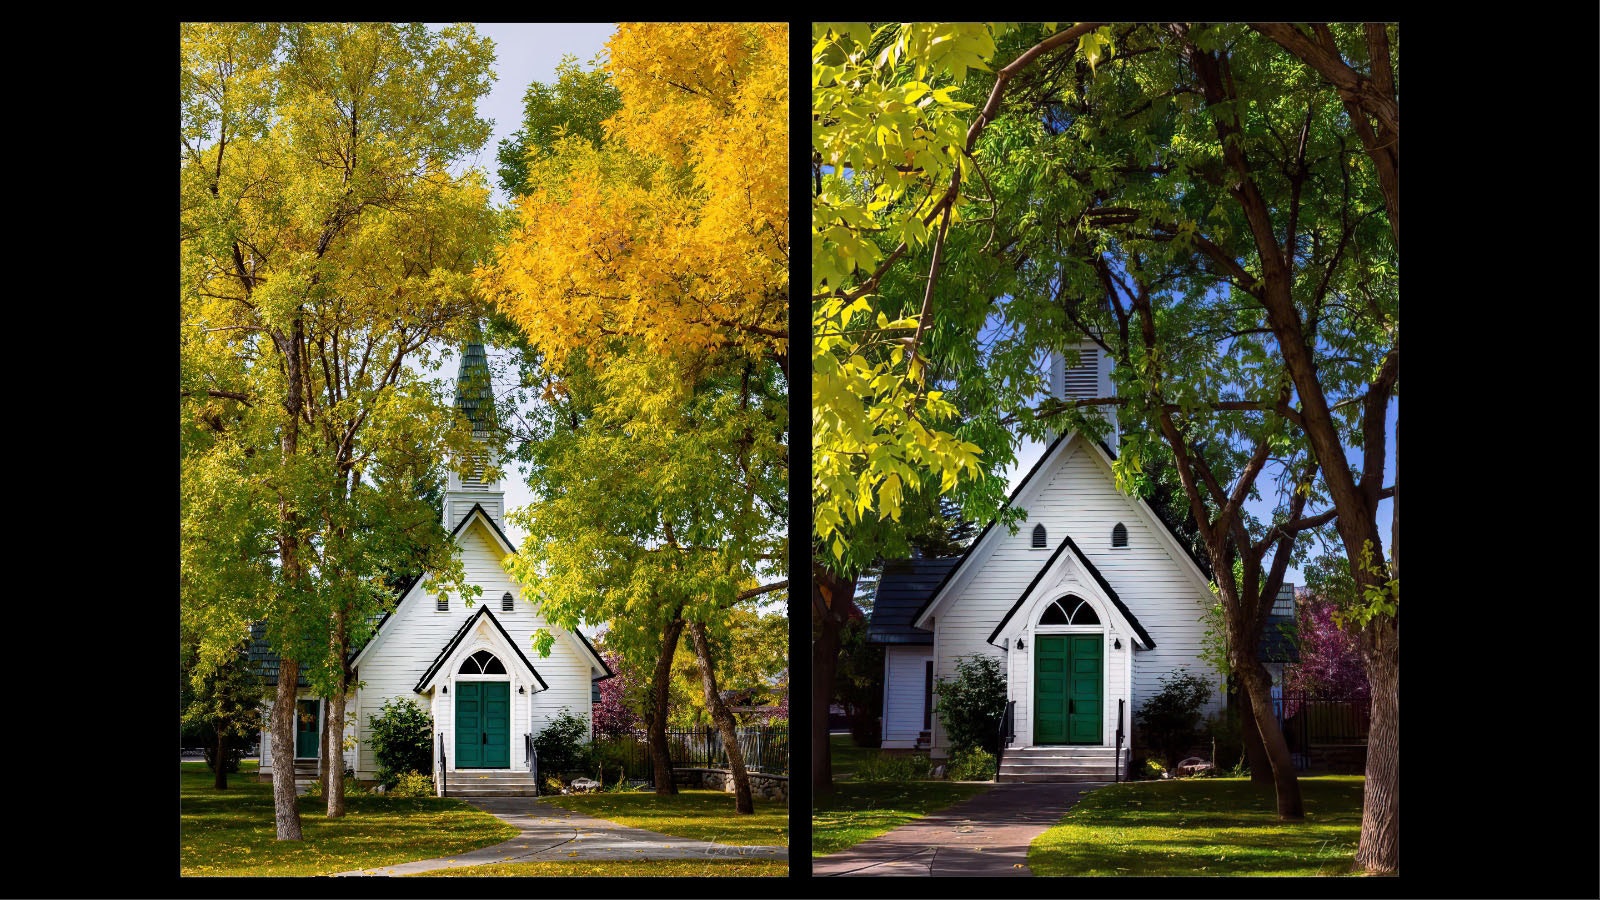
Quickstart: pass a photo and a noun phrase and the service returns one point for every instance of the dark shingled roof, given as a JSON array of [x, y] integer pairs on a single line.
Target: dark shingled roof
[[264, 661], [474, 391], [906, 584], [1277, 637]]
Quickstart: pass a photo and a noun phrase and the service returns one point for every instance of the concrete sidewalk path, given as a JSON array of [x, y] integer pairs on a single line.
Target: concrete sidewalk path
[[983, 836], [552, 834]]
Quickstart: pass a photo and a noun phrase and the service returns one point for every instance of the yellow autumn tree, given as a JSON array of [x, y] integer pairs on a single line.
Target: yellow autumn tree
[[648, 269], [672, 231]]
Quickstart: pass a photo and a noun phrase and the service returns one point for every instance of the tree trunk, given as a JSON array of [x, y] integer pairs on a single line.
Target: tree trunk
[[1255, 752], [220, 779], [831, 599], [720, 714], [333, 783], [324, 742], [1379, 850], [335, 755], [1258, 691], [285, 811], [661, 681]]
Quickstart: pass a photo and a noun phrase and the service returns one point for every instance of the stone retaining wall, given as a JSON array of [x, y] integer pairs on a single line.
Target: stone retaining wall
[[762, 785]]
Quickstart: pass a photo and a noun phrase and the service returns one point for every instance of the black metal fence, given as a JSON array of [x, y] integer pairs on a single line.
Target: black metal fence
[[766, 750], [1311, 723]]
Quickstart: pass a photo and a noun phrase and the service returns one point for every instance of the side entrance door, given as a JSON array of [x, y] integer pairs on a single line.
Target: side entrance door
[[1067, 689], [307, 729], [483, 725]]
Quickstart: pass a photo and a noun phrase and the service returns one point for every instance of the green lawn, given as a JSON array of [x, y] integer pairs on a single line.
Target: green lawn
[[232, 833], [1205, 826], [695, 815], [846, 756], [860, 810], [625, 868]]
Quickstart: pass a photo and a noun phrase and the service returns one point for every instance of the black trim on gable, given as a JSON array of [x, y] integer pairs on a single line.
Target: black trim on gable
[[455, 642], [478, 507], [986, 529], [1099, 579]]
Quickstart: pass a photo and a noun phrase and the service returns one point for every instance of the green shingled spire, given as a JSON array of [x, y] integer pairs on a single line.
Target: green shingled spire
[[474, 392]]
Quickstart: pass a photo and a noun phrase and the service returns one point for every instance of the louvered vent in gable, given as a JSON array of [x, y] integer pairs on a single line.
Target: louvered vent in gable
[[505, 602], [1038, 537], [475, 480], [1119, 535], [1082, 381]]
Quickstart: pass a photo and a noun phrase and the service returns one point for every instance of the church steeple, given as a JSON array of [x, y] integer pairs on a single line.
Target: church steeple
[[475, 399], [1090, 378]]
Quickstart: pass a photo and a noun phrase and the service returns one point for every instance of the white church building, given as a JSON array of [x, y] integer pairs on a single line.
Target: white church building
[[1086, 606], [472, 667]]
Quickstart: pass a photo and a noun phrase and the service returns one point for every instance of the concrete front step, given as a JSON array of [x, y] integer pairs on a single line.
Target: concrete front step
[[1065, 750], [490, 784], [1052, 778], [1027, 769]]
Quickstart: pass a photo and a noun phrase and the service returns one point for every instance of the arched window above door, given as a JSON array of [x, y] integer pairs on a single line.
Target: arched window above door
[[482, 663], [1069, 611]]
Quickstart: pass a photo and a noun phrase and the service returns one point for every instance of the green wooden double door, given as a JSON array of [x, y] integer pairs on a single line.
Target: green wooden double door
[[1068, 688], [483, 725]]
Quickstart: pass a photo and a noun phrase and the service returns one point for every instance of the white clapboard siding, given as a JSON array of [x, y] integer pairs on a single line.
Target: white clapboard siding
[[416, 632], [904, 667], [1079, 498]]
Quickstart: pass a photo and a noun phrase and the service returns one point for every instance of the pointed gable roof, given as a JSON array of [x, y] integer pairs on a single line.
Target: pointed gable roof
[[1068, 544], [461, 634], [984, 544]]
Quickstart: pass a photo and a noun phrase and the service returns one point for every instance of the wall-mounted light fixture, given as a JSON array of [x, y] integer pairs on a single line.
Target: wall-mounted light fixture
[[522, 689], [1021, 644], [1116, 644], [445, 689]]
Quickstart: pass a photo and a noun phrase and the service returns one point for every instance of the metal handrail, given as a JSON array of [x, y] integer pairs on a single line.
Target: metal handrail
[[533, 760], [444, 781], [1008, 733], [1117, 771]]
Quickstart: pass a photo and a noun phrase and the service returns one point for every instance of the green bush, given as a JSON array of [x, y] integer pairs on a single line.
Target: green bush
[[1225, 730], [972, 704], [1150, 768], [971, 765], [1170, 719], [412, 784], [402, 739], [563, 745], [893, 767], [552, 785]]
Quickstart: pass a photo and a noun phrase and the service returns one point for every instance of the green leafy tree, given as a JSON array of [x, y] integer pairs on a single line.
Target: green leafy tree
[[222, 710], [972, 704], [576, 105], [402, 740], [326, 250]]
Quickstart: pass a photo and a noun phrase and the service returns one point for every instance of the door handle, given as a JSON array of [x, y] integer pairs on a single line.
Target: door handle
[[486, 737], [1072, 706]]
